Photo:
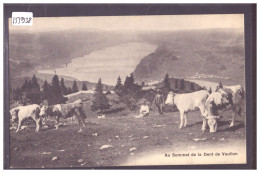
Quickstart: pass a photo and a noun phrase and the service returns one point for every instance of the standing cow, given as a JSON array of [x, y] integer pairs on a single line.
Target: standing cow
[[223, 99], [23, 112], [188, 102], [64, 111]]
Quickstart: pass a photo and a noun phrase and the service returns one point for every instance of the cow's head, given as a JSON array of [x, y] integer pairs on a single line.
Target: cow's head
[[43, 113], [14, 114], [212, 122], [169, 100]]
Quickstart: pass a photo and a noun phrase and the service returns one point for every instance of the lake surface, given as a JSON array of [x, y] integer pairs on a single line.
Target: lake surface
[[106, 64]]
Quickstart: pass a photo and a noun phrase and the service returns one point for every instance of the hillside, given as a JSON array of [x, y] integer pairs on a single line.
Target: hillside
[[185, 54]]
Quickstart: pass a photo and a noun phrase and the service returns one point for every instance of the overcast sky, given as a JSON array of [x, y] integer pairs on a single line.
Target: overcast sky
[[141, 23]]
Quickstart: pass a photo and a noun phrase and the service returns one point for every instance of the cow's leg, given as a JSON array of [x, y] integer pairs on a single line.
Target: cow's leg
[[233, 119], [185, 118], [77, 113], [57, 122], [204, 124], [19, 124], [181, 119], [37, 122]]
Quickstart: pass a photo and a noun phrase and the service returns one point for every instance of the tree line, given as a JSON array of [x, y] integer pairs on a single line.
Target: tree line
[[31, 92]]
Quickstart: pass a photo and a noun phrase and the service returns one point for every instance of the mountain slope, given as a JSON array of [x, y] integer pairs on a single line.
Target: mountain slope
[[188, 53]]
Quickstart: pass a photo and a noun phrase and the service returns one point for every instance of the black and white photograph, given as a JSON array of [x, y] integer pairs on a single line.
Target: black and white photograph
[[141, 90]]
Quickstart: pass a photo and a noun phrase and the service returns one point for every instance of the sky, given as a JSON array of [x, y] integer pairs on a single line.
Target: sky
[[141, 23]]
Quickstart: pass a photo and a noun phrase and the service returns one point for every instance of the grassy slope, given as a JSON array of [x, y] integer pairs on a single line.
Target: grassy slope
[[26, 147]]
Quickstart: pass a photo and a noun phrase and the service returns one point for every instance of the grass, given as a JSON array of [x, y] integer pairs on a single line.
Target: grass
[[36, 150]]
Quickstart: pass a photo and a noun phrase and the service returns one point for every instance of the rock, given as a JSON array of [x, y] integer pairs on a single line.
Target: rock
[[132, 149], [117, 136], [46, 153], [23, 127], [146, 137], [132, 139], [132, 154], [61, 150], [54, 158], [197, 139], [80, 160], [159, 125], [105, 146], [222, 139], [94, 134], [191, 147]]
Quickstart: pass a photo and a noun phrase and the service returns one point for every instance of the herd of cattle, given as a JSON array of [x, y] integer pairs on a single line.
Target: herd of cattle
[[211, 105]]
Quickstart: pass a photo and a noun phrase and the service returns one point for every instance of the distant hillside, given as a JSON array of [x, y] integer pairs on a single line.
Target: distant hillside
[[187, 53]]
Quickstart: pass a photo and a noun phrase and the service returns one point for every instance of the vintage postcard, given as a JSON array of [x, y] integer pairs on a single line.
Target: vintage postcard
[[106, 91]]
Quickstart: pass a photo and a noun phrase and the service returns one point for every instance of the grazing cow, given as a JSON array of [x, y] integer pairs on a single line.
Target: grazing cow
[[188, 102], [23, 112], [64, 111], [223, 99]]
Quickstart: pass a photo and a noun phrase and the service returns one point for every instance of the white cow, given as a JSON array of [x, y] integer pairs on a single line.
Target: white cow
[[24, 112], [188, 102], [145, 110], [224, 99]]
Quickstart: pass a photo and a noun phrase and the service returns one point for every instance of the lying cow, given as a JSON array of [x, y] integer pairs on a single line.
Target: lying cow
[[64, 111], [188, 102], [23, 112], [223, 99], [145, 110]]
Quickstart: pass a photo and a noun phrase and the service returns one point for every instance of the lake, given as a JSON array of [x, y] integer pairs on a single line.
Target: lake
[[106, 64]]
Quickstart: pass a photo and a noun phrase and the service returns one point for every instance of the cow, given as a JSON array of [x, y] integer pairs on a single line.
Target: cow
[[23, 112], [188, 102], [223, 99], [64, 111], [145, 110]]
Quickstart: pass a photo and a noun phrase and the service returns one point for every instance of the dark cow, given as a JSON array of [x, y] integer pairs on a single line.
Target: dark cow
[[226, 98], [64, 111]]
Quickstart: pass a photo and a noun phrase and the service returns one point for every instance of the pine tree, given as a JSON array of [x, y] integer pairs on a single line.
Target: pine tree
[[192, 87], [63, 87], [75, 87], [69, 90], [127, 82], [56, 85], [100, 101], [220, 85], [118, 84], [182, 87], [34, 83], [210, 90], [25, 85], [84, 87], [176, 84], [131, 79], [167, 84], [56, 97], [46, 90]]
